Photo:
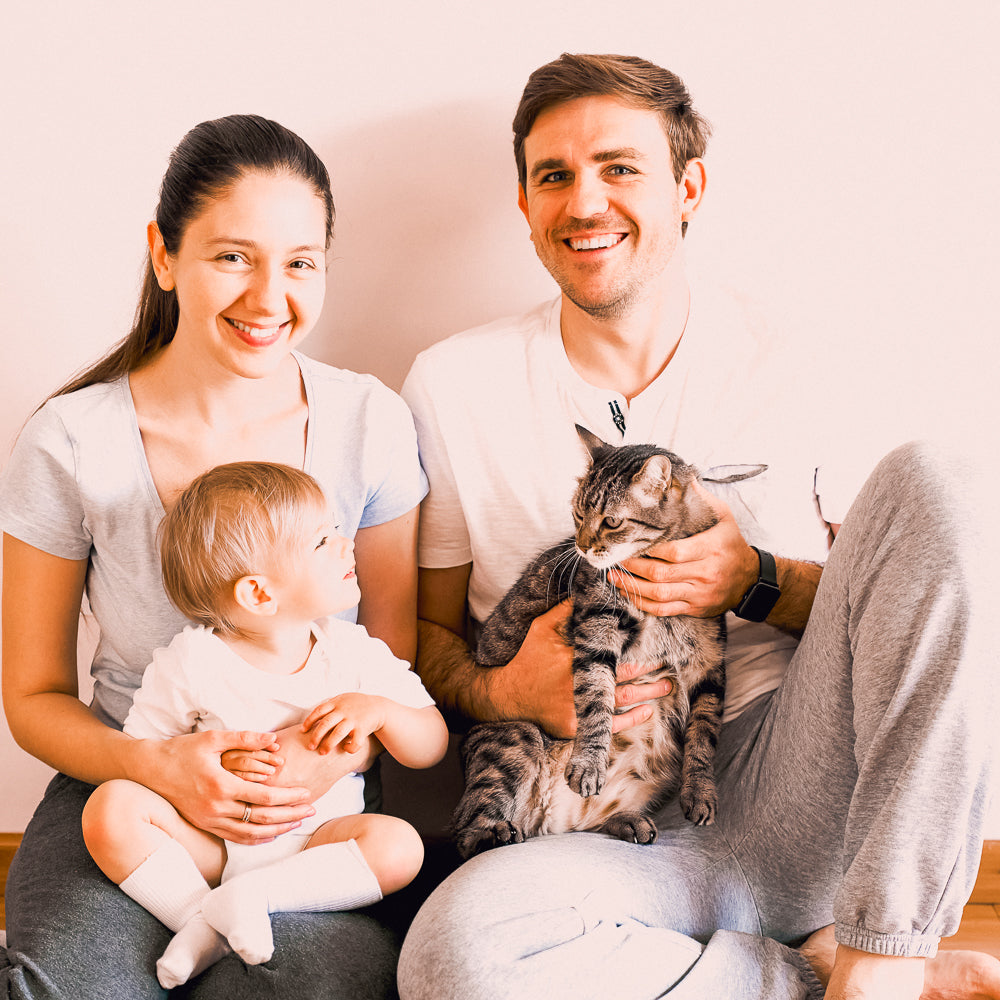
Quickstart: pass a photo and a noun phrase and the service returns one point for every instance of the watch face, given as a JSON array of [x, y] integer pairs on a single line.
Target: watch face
[[758, 602]]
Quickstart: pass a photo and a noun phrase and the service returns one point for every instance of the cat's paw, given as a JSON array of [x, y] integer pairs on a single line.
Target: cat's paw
[[586, 776], [700, 805], [632, 827], [484, 837]]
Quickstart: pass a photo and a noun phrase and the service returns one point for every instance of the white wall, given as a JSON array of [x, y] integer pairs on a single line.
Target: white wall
[[853, 180]]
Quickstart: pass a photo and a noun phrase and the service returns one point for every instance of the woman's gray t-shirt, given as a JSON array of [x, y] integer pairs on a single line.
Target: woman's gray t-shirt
[[78, 486]]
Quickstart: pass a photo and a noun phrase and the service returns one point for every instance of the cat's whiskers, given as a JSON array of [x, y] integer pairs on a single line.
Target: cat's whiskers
[[627, 578], [568, 560]]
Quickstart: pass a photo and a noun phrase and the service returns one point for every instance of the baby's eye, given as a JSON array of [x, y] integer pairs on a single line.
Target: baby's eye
[[322, 541], [613, 522]]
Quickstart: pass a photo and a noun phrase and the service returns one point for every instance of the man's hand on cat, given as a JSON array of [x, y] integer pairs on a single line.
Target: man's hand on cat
[[538, 683], [703, 575]]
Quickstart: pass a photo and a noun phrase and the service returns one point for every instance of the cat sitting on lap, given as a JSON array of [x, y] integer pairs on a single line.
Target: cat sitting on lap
[[520, 782]]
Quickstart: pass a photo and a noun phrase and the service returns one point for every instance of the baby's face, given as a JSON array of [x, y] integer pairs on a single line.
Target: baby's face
[[319, 579]]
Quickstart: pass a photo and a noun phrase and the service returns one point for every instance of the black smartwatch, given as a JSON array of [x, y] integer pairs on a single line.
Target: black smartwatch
[[758, 602]]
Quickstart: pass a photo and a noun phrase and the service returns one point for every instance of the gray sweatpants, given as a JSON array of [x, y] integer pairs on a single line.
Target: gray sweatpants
[[855, 793]]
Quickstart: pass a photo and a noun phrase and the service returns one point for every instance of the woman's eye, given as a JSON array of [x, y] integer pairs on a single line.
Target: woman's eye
[[231, 258]]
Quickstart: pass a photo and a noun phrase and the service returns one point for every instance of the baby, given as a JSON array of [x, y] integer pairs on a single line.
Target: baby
[[250, 552]]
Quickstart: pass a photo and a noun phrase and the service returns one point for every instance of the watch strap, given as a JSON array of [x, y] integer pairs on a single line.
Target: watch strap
[[758, 602]]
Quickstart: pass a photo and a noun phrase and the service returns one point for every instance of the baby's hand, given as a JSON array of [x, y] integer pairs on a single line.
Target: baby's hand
[[347, 718], [252, 765]]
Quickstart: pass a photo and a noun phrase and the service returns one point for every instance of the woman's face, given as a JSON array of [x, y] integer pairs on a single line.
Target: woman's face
[[250, 273]]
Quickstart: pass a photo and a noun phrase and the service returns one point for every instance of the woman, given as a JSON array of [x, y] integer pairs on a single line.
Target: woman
[[234, 281]]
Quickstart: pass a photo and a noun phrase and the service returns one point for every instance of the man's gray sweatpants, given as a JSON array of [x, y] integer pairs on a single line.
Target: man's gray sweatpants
[[855, 793]]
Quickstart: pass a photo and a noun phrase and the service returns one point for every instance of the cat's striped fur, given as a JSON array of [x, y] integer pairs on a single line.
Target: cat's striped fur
[[522, 783]]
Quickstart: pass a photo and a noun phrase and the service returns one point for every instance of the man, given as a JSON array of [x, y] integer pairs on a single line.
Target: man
[[840, 753]]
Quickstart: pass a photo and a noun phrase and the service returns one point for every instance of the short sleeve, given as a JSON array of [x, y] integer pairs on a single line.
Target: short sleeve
[[444, 534], [165, 703], [403, 484], [362, 447], [40, 501]]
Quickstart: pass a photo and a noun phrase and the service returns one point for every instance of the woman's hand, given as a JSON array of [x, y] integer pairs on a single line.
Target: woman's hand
[[703, 575], [188, 771], [538, 683]]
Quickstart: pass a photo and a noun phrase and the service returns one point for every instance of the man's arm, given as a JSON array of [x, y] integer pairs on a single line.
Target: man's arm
[[708, 573], [536, 685]]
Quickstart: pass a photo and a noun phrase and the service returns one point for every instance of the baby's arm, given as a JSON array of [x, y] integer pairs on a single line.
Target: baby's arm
[[416, 737]]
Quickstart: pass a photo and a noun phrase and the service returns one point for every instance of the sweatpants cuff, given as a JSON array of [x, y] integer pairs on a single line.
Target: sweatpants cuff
[[896, 945], [815, 990]]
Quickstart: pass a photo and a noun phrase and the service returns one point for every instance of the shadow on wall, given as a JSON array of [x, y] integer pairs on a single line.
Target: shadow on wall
[[429, 239]]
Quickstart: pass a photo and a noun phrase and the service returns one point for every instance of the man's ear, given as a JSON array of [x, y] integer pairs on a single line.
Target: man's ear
[[160, 258], [256, 595], [522, 202], [692, 188]]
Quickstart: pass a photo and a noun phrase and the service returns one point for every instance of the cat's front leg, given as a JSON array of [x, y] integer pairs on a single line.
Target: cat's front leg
[[698, 796], [594, 697]]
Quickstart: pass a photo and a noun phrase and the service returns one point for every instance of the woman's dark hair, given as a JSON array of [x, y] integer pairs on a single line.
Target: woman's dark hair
[[208, 160]]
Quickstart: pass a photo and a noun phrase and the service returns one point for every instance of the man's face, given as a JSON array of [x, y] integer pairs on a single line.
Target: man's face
[[604, 208]]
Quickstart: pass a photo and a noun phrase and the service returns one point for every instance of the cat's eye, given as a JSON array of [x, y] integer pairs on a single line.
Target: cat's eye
[[613, 522]]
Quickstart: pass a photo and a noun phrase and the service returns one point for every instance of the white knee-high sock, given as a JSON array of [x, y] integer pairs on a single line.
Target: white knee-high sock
[[328, 877], [169, 885]]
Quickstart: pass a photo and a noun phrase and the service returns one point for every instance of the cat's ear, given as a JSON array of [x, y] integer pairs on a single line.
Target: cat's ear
[[732, 473], [653, 480], [592, 442]]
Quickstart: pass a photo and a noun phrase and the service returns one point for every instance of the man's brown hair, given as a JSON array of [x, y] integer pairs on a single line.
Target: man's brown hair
[[634, 81]]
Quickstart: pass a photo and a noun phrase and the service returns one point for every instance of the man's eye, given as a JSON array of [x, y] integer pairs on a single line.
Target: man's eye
[[231, 258], [620, 170], [302, 265], [554, 178]]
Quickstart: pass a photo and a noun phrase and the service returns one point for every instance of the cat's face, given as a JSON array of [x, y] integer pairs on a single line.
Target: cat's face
[[623, 505]]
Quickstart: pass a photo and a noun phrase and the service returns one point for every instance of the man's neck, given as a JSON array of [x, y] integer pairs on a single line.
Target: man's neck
[[627, 353]]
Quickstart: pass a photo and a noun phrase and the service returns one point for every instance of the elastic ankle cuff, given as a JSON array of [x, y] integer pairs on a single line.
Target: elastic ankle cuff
[[896, 945]]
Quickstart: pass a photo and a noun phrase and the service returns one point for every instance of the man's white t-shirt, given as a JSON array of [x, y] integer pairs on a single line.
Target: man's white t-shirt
[[495, 409]]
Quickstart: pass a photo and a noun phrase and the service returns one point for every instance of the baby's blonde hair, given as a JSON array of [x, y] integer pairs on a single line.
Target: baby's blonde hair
[[231, 522]]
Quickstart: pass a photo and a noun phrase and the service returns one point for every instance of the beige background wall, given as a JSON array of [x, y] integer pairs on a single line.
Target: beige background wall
[[853, 181]]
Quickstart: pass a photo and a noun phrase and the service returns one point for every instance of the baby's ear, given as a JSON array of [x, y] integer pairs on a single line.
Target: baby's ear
[[256, 595]]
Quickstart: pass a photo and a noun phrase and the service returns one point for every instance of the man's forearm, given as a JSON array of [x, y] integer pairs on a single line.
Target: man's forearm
[[798, 581], [450, 674]]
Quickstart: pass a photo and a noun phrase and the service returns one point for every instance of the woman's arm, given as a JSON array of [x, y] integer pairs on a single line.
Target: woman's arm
[[42, 595], [386, 555]]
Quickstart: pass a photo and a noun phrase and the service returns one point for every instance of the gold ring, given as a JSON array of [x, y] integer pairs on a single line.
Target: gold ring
[[246, 814]]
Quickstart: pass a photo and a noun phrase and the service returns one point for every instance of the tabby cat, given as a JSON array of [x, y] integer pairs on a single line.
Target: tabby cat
[[520, 782]]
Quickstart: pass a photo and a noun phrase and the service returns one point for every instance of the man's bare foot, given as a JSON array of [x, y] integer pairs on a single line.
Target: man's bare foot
[[950, 975], [962, 975]]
